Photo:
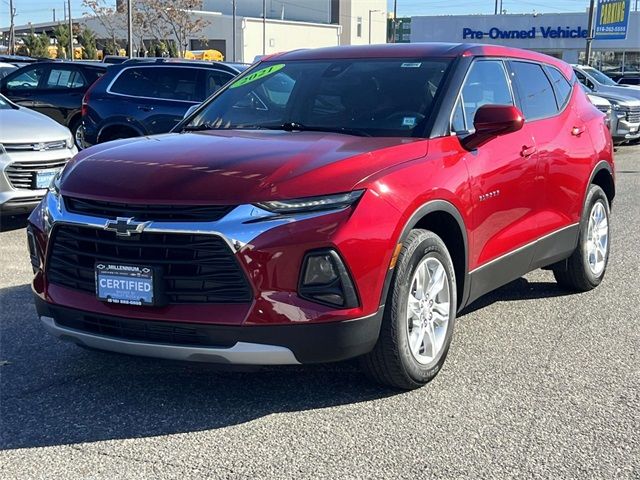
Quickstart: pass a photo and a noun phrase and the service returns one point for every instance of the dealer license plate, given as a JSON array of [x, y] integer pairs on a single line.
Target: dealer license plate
[[124, 284], [44, 177]]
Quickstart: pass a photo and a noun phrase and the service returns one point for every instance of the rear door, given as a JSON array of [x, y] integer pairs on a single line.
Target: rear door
[[60, 95], [502, 180], [564, 151]]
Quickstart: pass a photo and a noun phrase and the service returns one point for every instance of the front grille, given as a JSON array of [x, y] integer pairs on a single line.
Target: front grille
[[140, 330], [22, 175], [144, 213], [193, 268], [633, 115], [37, 146]]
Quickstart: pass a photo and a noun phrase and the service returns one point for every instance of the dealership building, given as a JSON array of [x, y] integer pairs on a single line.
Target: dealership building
[[562, 35]]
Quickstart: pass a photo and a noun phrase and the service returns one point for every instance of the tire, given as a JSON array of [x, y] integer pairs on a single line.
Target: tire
[[393, 361], [73, 127], [578, 273]]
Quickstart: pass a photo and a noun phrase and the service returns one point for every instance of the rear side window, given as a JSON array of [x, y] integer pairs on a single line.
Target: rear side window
[[486, 84], [561, 86], [170, 83], [535, 91], [61, 78]]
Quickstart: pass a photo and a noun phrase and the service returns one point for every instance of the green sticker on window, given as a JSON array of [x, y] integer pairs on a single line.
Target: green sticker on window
[[263, 72]]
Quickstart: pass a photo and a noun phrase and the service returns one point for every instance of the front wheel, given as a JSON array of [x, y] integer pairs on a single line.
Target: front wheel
[[419, 315], [585, 268]]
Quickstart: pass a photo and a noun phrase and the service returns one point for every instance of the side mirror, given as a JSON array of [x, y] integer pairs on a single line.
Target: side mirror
[[190, 110], [492, 121]]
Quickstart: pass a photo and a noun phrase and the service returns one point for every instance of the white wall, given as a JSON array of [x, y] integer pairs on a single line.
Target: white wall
[[284, 36], [352, 10]]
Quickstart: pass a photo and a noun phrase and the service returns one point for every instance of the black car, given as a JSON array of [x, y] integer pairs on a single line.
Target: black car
[[629, 80], [146, 97], [53, 88]]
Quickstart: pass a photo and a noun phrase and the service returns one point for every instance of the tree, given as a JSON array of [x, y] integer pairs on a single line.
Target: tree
[[36, 45], [87, 39], [61, 35], [112, 22], [178, 17]]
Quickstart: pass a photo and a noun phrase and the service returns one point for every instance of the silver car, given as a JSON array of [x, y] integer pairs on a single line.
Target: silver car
[[598, 82], [33, 148], [625, 115]]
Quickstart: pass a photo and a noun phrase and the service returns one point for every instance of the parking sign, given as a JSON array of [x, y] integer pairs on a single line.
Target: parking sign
[[612, 19]]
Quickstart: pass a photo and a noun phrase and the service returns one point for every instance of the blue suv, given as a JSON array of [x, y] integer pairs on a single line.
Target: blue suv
[[146, 97]]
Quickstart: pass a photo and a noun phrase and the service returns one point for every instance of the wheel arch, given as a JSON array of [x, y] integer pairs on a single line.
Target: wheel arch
[[602, 175], [118, 126], [443, 219]]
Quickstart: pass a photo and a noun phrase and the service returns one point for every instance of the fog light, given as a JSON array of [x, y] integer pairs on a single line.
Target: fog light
[[324, 279]]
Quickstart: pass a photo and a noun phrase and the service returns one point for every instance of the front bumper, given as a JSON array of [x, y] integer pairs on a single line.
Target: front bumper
[[240, 345], [622, 130]]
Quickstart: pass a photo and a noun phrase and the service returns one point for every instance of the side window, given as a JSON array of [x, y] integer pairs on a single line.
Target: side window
[[486, 84], [582, 78], [171, 83], [561, 86], [27, 79], [62, 78], [457, 119], [535, 91], [214, 80]]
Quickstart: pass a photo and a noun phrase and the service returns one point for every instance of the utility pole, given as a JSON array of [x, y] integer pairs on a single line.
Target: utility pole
[[495, 10], [12, 29], [264, 27], [234, 30], [70, 30], [394, 27], [370, 12], [130, 27], [589, 32], [54, 15]]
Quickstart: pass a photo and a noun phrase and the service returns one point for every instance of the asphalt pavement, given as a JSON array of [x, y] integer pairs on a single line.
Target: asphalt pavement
[[538, 384]]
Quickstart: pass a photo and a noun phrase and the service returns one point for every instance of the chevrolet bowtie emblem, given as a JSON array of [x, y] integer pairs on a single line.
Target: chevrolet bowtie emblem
[[124, 227]]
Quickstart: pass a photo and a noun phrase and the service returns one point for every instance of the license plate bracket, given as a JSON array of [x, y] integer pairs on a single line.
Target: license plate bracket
[[125, 284]]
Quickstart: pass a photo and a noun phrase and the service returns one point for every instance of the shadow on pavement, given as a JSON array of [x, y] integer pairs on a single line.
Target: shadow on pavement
[[519, 289], [13, 222], [54, 393]]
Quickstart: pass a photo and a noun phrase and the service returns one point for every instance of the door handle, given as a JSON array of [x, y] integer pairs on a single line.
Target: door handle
[[527, 151], [577, 131], [145, 108]]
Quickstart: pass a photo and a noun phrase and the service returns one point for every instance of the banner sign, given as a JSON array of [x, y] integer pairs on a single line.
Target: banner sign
[[612, 19]]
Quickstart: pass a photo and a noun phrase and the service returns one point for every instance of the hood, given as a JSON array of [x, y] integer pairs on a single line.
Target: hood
[[26, 126], [598, 100], [231, 167], [619, 98], [618, 90]]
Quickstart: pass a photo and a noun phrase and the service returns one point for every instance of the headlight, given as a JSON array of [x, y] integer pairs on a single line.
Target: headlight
[[312, 204], [69, 143]]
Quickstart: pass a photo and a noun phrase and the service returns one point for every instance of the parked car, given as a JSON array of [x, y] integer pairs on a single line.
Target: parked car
[[114, 59], [625, 115], [145, 97], [54, 88], [601, 83], [33, 148], [17, 59], [328, 204], [6, 69], [629, 80]]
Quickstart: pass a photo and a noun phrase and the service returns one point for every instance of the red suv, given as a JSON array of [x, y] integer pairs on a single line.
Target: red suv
[[328, 204]]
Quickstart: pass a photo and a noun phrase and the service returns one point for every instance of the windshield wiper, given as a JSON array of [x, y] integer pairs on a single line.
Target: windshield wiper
[[197, 128], [295, 126]]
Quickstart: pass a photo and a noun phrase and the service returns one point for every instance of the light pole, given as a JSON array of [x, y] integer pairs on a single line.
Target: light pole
[[130, 27], [264, 27], [589, 33], [370, 12], [395, 21], [234, 30], [70, 31]]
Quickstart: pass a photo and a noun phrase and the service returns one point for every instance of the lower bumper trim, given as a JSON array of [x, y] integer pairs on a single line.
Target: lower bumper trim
[[241, 353]]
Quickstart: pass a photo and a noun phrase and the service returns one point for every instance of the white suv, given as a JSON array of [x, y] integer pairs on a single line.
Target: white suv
[[33, 148]]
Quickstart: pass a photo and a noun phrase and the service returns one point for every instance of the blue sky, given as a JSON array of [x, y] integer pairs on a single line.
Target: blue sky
[[41, 10]]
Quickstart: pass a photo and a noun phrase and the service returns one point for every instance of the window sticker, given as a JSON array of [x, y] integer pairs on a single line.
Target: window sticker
[[409, 122], [263, 72], [411, 65]]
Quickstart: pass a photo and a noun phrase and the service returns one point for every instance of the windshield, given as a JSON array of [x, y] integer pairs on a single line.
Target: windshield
[[372, 97], [599, 76]]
